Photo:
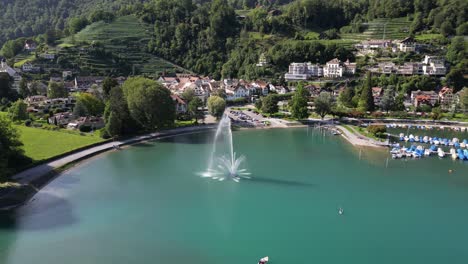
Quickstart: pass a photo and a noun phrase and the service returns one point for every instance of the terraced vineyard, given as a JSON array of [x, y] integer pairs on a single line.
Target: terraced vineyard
[[126, 38], [396, 28]]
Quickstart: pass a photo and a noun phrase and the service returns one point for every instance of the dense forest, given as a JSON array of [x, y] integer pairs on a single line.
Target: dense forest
[[212, 37]]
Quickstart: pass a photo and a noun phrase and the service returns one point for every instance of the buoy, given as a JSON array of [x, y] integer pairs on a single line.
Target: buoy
[[450, 171]]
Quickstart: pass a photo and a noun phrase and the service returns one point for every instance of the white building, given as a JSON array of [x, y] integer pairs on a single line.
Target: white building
[[407, 45], [238, 92], [335, 68], [303, 71], [434, 66]]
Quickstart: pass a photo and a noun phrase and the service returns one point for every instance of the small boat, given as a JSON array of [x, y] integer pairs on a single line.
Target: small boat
[[427, 152], [425, 139], [406, 138], [340, 211], [440, 153], [263, 260], [416, 138]]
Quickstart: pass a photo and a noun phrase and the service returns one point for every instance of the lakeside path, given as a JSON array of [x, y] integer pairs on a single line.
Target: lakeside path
[[34, 174]]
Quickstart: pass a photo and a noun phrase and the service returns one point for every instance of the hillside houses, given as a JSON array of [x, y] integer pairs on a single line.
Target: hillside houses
[[431, 66], [204, 87], [424, 97]]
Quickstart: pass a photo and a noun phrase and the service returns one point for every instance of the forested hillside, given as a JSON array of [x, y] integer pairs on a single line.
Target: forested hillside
[[21, 18]]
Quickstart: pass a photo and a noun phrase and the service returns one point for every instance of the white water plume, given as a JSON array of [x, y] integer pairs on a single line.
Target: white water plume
[[223, 163]]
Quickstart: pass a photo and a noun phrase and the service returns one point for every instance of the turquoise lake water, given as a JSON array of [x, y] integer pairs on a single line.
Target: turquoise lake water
[[147, 204]]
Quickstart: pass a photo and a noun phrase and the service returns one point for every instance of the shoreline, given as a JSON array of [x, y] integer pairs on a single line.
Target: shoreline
[[33, 179]]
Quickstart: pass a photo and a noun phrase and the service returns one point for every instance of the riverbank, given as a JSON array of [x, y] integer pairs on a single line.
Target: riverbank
[[33, 179]]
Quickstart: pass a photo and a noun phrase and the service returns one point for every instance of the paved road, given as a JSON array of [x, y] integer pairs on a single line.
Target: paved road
[[37, 172]]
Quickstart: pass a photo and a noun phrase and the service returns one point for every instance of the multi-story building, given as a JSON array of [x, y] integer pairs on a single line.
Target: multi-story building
[[434, 66], [336, 68], [303, 71]]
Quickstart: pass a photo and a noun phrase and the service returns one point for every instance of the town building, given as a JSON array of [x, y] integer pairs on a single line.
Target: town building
[[374, 44], [28, 67], [407, 45], [434, 66], [446, 98], [180, 104], [424, 97], [303, 71], [336, 68], [30, 45], [377, 93]]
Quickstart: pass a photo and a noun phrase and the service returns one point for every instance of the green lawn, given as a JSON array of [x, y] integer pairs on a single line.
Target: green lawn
[[40, 144]]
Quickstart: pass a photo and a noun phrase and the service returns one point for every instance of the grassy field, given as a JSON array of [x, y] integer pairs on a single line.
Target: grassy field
[[22, 59], [40, 144], [429, 37]]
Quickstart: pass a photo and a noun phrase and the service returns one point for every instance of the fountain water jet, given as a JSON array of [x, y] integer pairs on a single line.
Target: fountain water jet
[[223, 162]]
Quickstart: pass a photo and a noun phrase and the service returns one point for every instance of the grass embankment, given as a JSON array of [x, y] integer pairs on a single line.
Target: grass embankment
[[363, 132], [41, 144]]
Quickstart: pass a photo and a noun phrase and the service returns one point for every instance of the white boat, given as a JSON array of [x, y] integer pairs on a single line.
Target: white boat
[[416, 138], [455, 140], [436, 142], [463, 129], [463, 145], [406, 138], [425, 139], [263, 260], [453, 153], [427, 152], [440, 153], [340, 211]]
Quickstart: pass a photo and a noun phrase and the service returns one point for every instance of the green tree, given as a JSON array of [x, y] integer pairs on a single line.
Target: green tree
[[76, 24], [188, 95], [387, 102], [436, 113], [80, 109], [18, 111], [270, 104], [456, 50], [117, 115], [299, 103], [5, 85], [323, 104], [108, 84], [23, 88], [366, 102], [93, 105], [149, 103], [456, 77], [464, 98], [447, 29], [194, 109], [216, 106], [11, 153], [346, 97], [56, 90]]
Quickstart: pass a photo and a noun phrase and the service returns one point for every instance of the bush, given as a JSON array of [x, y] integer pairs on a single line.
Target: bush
[[377, 130], [27, 122], [103, 133], [85, 128]]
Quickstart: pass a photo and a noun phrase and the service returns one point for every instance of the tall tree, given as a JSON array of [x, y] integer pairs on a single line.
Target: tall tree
[[11, 153], [18, 111], [5, 85], [346, 97], [323, 104], [150, 104], [23, 88], [194, 109], [299, 103], [366, 102], [216, 106], [56, 90], [80, 109], [108, 84], [387, 102], [93, 105], [270, 104]]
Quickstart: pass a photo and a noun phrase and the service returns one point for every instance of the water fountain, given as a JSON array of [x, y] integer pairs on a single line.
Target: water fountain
[[223, 162]]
